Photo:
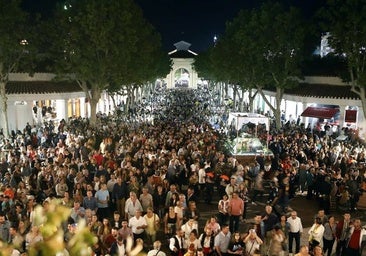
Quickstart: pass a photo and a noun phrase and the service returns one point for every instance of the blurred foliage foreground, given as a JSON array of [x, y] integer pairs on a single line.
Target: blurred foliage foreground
[[52, 219]]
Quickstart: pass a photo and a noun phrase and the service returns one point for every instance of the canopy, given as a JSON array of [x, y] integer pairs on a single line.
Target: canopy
[[320, 112], [245, 118]]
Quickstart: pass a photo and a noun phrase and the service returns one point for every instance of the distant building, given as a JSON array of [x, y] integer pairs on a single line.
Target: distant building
[[182, 74]]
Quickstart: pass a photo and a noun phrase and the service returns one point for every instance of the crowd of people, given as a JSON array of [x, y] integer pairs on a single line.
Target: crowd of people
[[144, 180]]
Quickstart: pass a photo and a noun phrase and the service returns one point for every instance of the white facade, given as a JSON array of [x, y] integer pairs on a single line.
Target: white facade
[[182, 73], [294, 105], [182, 64]]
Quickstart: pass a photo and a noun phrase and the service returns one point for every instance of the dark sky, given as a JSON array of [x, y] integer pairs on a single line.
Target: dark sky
[[194, 21]]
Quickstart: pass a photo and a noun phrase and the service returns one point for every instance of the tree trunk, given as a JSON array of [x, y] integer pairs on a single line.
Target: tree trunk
[[95, 93], [4, 109], [251, 100], [363, 101], [275, 109], [241, 101], [235, 89]]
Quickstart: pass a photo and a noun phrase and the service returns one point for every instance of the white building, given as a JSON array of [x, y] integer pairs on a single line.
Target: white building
[[182, 74]]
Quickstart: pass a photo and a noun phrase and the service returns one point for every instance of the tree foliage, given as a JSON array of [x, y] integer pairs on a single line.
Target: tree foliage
[[263, 48], [105, 45], [15, 48], [346, 22]]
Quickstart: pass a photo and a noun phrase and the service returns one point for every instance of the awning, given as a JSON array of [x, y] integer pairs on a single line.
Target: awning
[[320, 112]]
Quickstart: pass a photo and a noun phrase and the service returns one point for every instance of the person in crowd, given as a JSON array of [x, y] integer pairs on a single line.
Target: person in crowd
[[193, 241], [269, 220], [159, 197], [342, 230], [191, 212], [16, 239], [191, 195], [170, 221], [132, 205], [329, 235], [138, 225], [295, 231], [34, 235], [90, 202], [236, 245], [153, 225], [258, 188], [285, 227], [94, 224], [156, 251], [278, 237], [146, 199], [223, 207], [125, 231], [231, 187], [207, 239], [243, 194], [188, 227], [102, 196], [118, 247], [304, 251], [105, 229], [119, 195], [222, 240], [177, 243], [116, 220], [316, 234], [4, 227], [323, 217], [252, 243], [109, 240], [236, 209], [317, 251], [355, 236], [172, 191], [77, 212], [213, 225]]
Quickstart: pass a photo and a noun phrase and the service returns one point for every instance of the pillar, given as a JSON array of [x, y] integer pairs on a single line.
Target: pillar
[[61, 109]]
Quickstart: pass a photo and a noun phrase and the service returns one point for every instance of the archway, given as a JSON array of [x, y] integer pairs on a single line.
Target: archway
[[181, 78]]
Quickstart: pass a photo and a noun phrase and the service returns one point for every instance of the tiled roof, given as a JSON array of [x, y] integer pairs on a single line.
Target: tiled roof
[[41, 87], [323, 91]]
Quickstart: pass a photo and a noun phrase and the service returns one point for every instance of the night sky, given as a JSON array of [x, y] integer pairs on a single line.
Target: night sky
[[194, 21]]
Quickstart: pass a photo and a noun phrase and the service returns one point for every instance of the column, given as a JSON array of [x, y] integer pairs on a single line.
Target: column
[[342, 112], [61, 109], [82, 106]]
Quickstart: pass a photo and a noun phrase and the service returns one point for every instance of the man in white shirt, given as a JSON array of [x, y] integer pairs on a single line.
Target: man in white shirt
[[295, 231], [156, 251], [137, 225], [176, 243], [132, 205]]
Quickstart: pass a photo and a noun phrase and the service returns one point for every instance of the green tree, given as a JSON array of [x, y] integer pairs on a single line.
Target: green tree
[[15, 49], [346, 23], [106, 45], [267, 49]]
